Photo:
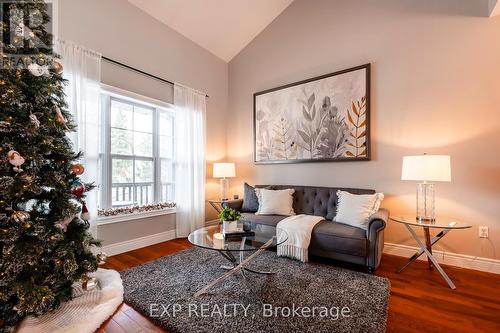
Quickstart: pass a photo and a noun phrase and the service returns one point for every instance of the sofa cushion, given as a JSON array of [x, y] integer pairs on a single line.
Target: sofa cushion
[[271, 220], [339, 237], [275, 202], [355, 209], [314, 200], [250, 200]]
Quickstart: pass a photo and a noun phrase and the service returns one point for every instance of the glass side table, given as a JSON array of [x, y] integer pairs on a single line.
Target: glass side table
[[445, 225]]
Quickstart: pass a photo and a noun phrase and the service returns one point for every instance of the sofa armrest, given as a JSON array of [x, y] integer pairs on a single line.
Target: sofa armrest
[[377, 222], [234, 204]]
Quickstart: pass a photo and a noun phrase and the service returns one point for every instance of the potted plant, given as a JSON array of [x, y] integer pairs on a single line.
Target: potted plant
[[229, 218]]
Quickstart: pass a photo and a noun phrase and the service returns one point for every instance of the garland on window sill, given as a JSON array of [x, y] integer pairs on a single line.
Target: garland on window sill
[[134, 209]]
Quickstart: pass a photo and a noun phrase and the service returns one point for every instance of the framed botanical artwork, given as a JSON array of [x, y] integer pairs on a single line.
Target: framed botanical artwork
[[323, 119]]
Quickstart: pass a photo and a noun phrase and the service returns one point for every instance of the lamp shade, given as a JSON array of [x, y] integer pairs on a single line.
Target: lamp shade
[[224, 170], [427, 168]]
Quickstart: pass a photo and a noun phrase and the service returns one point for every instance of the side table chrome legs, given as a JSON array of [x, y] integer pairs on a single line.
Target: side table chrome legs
[[427, 249]]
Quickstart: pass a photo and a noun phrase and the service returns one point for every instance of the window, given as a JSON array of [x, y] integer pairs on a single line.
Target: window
[[138, 152]]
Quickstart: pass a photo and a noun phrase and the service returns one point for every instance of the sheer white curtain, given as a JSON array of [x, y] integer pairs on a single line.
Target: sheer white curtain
[[190, 123], [82, 69]]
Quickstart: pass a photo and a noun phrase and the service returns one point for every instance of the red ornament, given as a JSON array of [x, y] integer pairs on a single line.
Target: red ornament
[[77, 188], [77, 169]]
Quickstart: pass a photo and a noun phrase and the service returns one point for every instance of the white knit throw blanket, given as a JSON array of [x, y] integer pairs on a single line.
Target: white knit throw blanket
[[298, 229]]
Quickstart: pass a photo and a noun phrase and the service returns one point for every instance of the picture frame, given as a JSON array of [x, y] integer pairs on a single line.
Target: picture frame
[[321, 119]]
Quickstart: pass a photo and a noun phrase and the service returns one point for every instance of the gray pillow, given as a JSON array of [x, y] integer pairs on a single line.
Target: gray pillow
[[250, 200]]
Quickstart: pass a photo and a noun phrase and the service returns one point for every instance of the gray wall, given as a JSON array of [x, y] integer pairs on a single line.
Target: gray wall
[[123, 231], [121, 31], [435, 89]]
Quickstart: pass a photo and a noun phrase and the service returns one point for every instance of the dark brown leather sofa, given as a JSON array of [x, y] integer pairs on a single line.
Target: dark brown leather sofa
[[333, 240]]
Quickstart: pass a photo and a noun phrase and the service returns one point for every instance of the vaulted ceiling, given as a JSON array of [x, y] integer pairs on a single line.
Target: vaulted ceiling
[[224, 27]]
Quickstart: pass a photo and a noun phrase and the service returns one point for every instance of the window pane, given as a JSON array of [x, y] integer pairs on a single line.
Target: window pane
[[143, 144], [143, 120], [121, 142], [166, 146], [144, 171], [167, 172], [122, 171], [121, 115]]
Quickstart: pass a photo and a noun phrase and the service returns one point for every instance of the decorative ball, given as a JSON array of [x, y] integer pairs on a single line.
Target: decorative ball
[[77, 169], [102, 257], [57, 67], [77, 188], [20, 217]]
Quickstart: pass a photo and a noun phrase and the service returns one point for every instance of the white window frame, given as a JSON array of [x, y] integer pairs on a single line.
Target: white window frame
[[108, 94]]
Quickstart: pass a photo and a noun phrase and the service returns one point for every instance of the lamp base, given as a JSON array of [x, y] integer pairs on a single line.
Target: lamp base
[[224, 188], [425, 202]]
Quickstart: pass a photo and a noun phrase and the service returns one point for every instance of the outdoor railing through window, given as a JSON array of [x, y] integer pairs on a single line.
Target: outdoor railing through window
[[139, 194]]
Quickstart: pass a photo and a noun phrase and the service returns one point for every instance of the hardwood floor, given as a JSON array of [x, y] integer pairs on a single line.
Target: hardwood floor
[[420, 299]]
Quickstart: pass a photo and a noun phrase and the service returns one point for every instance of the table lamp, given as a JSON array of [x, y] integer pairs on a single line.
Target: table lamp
[[224, 171], [426, 169]]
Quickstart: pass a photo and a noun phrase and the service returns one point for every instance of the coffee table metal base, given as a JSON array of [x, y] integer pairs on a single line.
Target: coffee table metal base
[[237, 267]]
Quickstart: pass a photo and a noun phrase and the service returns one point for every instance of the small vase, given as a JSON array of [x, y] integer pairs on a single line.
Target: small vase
[[229, 226]]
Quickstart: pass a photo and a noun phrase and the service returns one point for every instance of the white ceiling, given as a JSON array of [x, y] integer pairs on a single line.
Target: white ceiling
[[224, 27]]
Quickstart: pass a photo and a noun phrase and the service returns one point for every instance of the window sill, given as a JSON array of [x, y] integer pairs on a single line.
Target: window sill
[[102, 220]]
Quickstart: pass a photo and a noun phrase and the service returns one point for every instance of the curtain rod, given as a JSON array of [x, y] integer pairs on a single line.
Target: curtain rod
[[139, 71]]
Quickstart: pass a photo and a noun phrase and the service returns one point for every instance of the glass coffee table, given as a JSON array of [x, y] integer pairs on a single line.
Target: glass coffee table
[[235, 248], [444, 225]]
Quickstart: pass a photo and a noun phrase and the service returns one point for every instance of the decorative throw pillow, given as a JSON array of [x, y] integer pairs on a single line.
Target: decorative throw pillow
[[355, 209], [250, 200], [275, 202]]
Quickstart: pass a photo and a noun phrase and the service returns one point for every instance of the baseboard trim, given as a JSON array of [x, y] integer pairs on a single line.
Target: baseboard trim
[[137, 243], [447, 258]]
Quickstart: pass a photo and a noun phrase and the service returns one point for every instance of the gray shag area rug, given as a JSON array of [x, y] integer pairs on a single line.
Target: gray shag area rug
[[300, 297]]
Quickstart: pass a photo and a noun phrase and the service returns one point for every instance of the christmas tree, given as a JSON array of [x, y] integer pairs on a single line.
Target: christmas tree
[[44, 238]]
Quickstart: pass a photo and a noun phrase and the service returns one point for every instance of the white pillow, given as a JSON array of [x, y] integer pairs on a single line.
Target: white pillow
[[355, 209], [271, 202]]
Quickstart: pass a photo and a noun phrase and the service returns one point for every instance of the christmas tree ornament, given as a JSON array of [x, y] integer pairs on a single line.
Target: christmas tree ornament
[[63, 224], [85, 215], [77, 188], [57, 67], [37, 70], [77, 169], [60, 118], [20, 216], [34, 120], [16, 160], [101, 258], [89, 283]]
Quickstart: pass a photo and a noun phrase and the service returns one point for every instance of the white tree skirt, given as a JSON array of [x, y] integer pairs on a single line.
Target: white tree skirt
[[86, 312]]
